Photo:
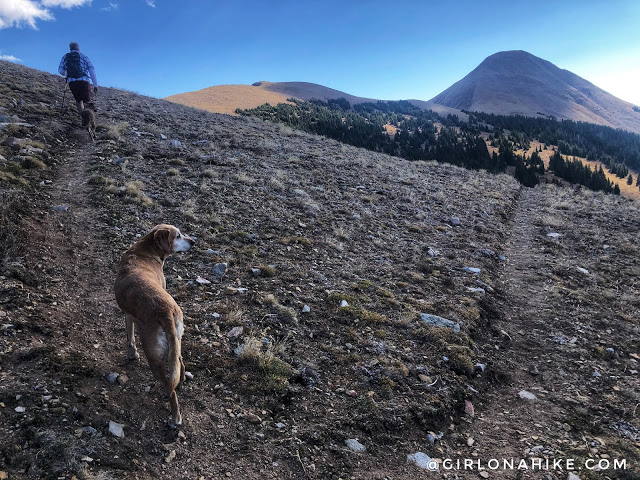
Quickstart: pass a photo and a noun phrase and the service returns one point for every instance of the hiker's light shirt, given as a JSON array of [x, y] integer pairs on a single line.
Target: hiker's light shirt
[[85, 64]]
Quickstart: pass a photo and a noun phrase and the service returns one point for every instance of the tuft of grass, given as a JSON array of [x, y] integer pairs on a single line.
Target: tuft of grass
[[305, 242], [363, 285], [134, 191], [234, 317], [276, 371], [287, 314], [8, 177], [173, 172], [9, 206], [246, 179], [460, 360], [113, 132], [60, 454], [267, 270], [360, 313], [33, 163], [101, 180], [336, 297]]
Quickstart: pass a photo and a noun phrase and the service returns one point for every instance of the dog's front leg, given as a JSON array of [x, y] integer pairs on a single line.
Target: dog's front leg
[[132, 352]]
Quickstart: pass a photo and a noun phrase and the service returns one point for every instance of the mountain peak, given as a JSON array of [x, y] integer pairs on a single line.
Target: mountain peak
[[515, 82]]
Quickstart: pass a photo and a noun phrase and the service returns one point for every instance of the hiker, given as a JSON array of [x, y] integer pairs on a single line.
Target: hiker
[[78, 68]]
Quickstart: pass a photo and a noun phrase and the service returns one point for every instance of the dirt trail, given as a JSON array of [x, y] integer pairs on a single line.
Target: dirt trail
[[510, 434], [505, 419]]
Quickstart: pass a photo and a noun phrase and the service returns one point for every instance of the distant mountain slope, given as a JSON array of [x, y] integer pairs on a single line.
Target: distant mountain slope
[[518, 83], [310, 91], [226, 98]]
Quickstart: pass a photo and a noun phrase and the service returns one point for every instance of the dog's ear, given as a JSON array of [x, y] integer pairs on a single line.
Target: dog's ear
[[163, 239]]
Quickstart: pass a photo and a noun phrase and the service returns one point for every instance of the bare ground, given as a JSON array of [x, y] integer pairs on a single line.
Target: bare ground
[[325, 223]]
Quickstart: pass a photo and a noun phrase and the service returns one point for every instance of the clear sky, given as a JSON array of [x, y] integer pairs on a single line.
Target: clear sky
[[370, 48]]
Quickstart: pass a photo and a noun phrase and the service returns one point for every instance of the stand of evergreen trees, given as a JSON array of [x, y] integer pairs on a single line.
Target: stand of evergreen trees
[[426, 135], [575, 171], [579, 139], [363, 125]]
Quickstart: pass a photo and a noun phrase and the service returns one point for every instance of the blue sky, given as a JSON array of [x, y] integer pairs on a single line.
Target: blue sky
[[385, 50]]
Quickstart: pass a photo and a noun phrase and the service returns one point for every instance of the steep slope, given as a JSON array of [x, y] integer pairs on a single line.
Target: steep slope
[[518, 83], [299, 221]]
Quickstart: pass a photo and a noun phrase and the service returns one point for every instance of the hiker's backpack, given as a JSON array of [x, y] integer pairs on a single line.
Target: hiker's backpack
[[74, 65]]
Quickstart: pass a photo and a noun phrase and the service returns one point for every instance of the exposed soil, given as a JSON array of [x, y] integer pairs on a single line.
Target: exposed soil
[[325, 224]]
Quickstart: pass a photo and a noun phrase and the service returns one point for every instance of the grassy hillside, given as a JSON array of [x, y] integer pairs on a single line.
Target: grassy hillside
[[228, 98], [366, 242]]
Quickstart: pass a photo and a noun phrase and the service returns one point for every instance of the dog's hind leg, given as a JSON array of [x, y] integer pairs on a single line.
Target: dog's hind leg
[[132, 352], [157, 347]]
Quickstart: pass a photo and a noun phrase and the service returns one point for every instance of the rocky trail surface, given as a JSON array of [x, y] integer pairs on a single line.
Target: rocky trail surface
[[348, 314]]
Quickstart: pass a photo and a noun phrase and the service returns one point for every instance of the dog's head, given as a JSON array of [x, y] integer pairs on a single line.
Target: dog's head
[[90, 106], [170, 240]]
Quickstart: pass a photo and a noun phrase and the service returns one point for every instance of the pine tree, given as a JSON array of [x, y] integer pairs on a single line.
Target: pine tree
[[630, 179]]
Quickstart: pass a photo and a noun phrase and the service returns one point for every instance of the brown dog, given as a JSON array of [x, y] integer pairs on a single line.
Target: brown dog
[[140, 293], [89, 119]]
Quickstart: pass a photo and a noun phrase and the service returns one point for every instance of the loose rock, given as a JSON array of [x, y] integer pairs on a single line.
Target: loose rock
[[355, 446], [170, 456], [219, 269], [423, 460], [527, 395], [116, 429], [235, 332], [436, 321]]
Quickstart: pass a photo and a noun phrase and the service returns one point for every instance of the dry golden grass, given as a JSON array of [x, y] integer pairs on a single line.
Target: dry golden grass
[[226, 98], [629, 191], [390, 129]]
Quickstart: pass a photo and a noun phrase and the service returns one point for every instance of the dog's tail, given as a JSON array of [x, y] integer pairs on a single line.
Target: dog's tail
[[174, 335]]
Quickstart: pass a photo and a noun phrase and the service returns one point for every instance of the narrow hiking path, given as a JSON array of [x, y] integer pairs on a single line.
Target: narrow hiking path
[[507, 423], [74, 250], [539, 418]]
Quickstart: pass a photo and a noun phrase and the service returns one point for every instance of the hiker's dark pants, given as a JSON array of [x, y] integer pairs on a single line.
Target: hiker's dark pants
[[81, 90]]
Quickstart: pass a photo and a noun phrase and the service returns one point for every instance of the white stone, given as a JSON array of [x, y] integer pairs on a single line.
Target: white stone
[[527, 395], [116, 429], [423, 460], [355, 446]]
